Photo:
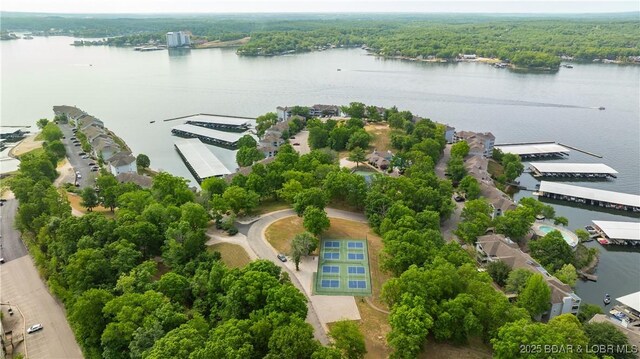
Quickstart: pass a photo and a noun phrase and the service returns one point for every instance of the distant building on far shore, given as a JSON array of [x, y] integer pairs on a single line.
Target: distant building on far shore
[[178, 39]]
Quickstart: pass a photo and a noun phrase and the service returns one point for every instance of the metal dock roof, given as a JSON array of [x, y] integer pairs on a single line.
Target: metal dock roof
[[230, 137], [219, 120], [561, 167], [204, 163], [533, 148], [631, 300], [590, 193], [620, 230]]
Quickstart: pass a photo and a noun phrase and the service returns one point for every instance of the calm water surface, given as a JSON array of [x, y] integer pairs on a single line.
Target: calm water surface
[[128, 89]]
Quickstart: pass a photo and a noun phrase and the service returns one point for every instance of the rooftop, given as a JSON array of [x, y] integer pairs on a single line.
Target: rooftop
[[533, 148], [220, 120], [561, 167], [631, 300], [620, 230], [230, 137], [590, 193], [203, 162]]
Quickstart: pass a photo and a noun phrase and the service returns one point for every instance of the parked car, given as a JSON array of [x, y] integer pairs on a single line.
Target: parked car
[[296, 144], [282, 257], [292, 137], [34, 328], [76, 144], [458, 198], [2, 261], [81, 153], [94, 169], [92, 164]]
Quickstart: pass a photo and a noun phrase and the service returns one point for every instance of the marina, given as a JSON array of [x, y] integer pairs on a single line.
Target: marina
[[222, 123], [614, 232], [208, 135], [572, 170], [199, 160], [538, 150], [589, 196]]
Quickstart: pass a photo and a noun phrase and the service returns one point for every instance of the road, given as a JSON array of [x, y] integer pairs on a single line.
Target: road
[[255, 236], [22, 287], [447, 227], [11, 246], [303, 139], [76, 161]]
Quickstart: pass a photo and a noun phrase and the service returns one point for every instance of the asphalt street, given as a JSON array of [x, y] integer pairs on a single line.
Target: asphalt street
[[11, 246]]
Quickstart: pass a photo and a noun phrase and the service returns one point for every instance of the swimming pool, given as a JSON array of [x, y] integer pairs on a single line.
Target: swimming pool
[[569, 237]]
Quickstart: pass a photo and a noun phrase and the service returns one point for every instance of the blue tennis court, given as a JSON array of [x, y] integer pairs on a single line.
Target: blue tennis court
[[360, 284], [330, 269], [330, 283], [343, 268], [332, 244]]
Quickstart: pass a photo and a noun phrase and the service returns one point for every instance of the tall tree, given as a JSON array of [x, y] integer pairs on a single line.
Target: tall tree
[[89, 198], [606, 335], [499, 271], [315, 220], [552, 251], [357, 155], [517, 280], [302, 245], [536, 296], [309, 197], [460, 149], [246, 156], [567, 274], [348, 339], [143, 161]]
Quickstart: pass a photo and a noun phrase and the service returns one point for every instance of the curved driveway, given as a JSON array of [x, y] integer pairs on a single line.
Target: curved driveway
[[264, 250]]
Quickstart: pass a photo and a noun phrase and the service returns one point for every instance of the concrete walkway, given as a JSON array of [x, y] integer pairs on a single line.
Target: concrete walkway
[[322, 309]]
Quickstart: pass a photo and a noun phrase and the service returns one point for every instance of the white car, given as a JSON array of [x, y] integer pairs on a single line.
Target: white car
[[34, 328]]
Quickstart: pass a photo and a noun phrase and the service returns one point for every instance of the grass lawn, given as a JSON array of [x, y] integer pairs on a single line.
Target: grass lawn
[[270, 206], [233, 255], [74, 201], [374, 325], [381, 136]]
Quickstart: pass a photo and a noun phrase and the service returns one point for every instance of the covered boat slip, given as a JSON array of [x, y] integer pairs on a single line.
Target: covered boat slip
[[224, 123], [214, 137], [200, 161], [535, 150], [619, 232], [572, 170], [590, 196]]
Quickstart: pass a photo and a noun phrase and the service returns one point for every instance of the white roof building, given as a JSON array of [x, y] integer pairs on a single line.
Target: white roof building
[[574, 168], [208, 135], [627, 231], [533, 149], [199, 159], [624, 199], [631, 300]]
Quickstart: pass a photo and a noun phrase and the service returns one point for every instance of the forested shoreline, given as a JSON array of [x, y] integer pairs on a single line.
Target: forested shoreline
[[527, 41]]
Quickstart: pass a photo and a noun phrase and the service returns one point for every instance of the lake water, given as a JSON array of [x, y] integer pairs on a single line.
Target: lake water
[[128, 89]]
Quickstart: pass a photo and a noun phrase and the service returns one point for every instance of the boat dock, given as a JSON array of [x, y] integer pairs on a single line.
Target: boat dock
[[199, 159], [208, 135], [579, 150], [538, 150], [621, 233], [590, 196], [572, 170], [587, 276], [222, 123]]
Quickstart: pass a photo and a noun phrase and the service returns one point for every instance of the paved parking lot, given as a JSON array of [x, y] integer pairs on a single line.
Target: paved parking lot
[[22, 287], [76, 160]]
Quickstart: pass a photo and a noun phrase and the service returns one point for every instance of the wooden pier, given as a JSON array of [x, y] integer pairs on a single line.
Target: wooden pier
[[579, 150]]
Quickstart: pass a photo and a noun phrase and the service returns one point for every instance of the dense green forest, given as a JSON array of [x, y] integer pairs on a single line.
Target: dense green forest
[[526, 41], [143, 285]]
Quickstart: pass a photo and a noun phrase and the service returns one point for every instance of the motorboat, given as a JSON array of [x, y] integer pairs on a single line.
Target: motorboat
[[601, 108], [607, 299]]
